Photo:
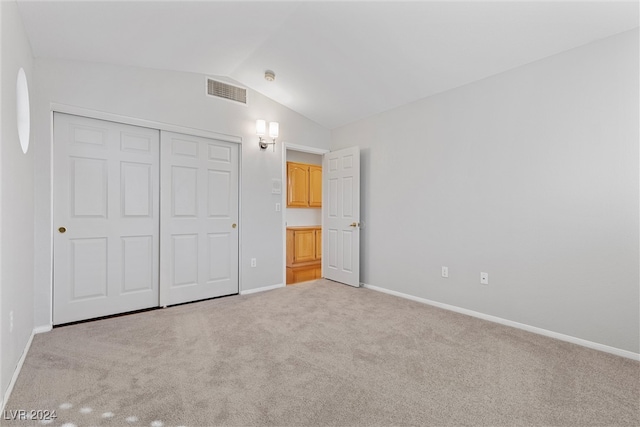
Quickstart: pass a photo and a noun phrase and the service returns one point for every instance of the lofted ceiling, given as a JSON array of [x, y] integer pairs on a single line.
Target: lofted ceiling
[[335, 62]]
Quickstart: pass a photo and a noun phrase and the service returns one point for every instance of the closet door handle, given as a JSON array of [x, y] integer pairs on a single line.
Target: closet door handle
[[62, 230]]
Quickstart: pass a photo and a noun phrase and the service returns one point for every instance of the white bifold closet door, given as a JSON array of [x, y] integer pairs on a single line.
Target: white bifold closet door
[[199, 218], [106, 218]]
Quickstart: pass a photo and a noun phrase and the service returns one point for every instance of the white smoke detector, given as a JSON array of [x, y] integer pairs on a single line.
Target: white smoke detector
[[269, 75]]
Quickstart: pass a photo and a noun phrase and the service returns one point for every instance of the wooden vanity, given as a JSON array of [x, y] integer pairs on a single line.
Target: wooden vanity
[[304, 253]]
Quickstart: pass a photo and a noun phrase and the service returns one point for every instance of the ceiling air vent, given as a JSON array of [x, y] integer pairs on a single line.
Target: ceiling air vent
[[226, 91]]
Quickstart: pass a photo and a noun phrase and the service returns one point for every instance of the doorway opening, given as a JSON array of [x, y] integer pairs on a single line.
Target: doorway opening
[[302, 203]]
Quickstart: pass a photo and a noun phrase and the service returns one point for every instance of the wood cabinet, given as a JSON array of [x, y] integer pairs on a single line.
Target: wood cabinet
[[318, 243], [304, 254], [297, 185], [304, 185], [315, 186], [304, 245]]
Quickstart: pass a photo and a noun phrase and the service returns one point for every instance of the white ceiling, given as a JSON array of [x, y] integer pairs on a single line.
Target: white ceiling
[[335, 62]]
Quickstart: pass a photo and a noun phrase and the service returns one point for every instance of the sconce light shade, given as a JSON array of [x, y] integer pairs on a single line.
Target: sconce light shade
[[274, 128], [261, 127]]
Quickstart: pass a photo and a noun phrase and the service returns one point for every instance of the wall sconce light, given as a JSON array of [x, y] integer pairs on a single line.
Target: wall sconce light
[[261, 128]]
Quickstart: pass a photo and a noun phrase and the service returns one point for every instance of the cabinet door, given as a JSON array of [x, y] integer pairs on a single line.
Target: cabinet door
[[318, 233], [297, 185], [315, 186], [305, 245]]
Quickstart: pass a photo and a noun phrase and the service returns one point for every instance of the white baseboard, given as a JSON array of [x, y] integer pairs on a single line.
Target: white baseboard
[[42, 329], [14, 378], [525, 327], [265, 288]]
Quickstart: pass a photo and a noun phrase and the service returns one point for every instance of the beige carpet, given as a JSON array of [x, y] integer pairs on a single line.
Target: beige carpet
[[318, 353]]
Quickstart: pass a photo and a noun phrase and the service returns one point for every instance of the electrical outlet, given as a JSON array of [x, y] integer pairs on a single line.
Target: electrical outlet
[[484, 278], [278, 207], [253, 262], [445, 271], [11, 321]]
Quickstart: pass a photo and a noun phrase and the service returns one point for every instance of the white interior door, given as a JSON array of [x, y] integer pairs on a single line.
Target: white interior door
[[106, 206], [199, 211], [341, 216]]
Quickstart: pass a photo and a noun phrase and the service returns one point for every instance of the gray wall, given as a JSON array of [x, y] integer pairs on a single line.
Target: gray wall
[[302, 157], [175, 98], [530, 175], [16, 201]]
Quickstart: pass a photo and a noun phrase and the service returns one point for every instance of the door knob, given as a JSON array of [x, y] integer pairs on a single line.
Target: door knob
[[233, 225], [354, 224], [62, 230]]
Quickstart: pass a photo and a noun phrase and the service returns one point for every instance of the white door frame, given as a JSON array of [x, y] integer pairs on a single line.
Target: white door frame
[[294, 147], [101, 115]]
